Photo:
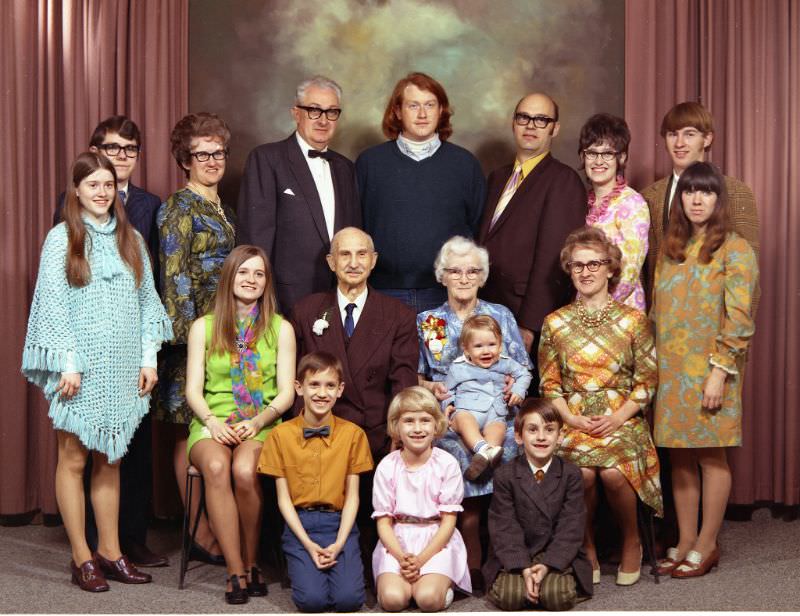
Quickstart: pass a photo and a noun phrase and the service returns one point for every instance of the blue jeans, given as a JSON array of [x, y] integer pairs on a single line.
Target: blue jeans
[[419, 300]]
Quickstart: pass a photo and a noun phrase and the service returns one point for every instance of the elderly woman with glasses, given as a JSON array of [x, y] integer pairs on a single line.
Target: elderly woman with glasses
[[597, 365], [614, 207], [462, 267], [196, 236]]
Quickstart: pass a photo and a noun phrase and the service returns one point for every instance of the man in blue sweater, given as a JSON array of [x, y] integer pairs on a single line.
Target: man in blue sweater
[[417, 191]]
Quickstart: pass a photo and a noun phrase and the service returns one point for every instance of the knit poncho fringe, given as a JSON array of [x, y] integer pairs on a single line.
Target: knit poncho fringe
[[97, 330]]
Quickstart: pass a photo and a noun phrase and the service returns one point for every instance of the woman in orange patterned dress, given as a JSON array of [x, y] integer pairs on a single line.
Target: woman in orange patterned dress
[[704, 285], [598, 367]]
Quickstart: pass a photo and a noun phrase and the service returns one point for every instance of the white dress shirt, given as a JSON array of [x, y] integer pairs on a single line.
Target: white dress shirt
[[358, 301], [321, 172], [544, 468], [672, 188]]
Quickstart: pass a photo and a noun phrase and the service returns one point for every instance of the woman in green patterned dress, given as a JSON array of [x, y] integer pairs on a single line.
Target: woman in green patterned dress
[[704, 285], [239, 381], [195, 237], [598, 366]]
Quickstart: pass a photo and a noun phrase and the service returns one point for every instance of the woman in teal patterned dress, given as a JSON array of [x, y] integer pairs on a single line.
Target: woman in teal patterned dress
[[196, 236]]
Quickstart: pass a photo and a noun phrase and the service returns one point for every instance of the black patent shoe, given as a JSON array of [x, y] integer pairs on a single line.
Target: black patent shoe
[[236, 595], [198, 552], [256, 587]]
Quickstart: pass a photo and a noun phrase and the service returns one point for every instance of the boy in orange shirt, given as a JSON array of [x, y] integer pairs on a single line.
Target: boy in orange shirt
[[316, 459]]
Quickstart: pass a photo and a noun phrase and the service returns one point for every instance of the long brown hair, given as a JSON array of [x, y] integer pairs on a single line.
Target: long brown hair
[[223, 337], [697, 176], [77, 265]]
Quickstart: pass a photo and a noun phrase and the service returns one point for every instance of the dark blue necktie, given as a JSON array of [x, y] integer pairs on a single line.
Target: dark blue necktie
[[312, 432], [123, 196], [349, 324]]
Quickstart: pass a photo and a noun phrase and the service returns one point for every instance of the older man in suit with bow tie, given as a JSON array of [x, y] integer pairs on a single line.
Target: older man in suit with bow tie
[[296, 193]]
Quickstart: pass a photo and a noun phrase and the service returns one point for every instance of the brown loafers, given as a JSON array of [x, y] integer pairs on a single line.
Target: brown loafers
[[88, 576], [122, 570], [665, 566], [694, 565]]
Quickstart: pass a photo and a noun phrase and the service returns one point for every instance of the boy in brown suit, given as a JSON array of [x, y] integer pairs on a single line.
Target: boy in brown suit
[[536, 521]]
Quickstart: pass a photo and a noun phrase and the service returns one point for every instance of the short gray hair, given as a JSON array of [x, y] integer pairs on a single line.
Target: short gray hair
[[460, 246], [318, 81]]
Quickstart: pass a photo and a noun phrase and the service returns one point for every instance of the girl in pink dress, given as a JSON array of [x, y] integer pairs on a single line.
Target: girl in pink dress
[[417, 495]]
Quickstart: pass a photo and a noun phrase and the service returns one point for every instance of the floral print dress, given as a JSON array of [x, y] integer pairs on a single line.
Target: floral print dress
[[195, 238], [624, 217], [703, 319], [439, 330], [596, 370]]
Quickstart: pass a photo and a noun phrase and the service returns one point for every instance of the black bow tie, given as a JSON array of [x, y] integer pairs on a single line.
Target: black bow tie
[[312, 432], [320, 154]]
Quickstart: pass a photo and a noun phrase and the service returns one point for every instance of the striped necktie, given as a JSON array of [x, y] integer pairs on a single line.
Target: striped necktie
[[511, 187]]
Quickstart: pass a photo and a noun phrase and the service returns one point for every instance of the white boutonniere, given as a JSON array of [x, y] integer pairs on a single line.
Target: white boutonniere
[[321, 324]]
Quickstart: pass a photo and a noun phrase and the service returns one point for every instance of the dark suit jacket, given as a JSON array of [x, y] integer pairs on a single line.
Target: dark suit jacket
[[291, 227], [379, 361], [141, 208], [527, 517], [525, 242]]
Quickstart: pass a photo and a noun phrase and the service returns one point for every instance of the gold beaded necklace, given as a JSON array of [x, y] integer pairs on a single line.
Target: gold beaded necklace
[[596, 318]]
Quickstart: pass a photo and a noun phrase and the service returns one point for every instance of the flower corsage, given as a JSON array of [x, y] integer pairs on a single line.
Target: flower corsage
[[321, 324], [434, 334]]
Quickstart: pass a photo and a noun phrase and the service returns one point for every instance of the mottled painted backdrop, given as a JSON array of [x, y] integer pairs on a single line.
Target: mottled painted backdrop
[[246, 58]]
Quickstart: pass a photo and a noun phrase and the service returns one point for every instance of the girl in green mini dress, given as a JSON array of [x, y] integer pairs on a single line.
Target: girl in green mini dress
[[239, 381]]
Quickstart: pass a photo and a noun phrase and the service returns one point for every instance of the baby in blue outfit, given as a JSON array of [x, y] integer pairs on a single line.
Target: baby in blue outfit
[[475, 383]]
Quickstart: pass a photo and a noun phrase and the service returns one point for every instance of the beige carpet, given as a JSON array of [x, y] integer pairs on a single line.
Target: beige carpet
[[759, 570]]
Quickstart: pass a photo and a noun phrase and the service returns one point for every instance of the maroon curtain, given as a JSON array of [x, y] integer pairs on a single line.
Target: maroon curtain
[[741, 59], [66, 66]]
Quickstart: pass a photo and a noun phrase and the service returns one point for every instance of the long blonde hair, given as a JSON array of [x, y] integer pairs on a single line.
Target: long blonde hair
[[223, 337]]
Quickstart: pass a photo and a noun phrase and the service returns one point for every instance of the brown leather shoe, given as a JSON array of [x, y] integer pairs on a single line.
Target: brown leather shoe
[[665, 566], [141, 556], [88, 576], [694, 565], [122, 570]]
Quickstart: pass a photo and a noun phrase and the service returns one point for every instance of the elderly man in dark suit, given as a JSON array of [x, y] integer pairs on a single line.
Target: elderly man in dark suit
[[531, 207], [374, 336], [296, 193], [119, 139]]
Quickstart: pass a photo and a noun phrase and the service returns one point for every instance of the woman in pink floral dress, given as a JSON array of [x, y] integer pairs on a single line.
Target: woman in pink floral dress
[[614, 207]]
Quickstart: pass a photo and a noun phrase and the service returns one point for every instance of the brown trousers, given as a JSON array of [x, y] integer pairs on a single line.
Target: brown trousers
[[557, 592]]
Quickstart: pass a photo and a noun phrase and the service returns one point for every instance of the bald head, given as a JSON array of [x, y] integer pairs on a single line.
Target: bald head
[[351, 233], [532, 140], [540, 98], [352, 258]]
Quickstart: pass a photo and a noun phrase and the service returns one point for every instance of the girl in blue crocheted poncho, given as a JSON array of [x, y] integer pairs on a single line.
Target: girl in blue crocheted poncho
[[95, 326]]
